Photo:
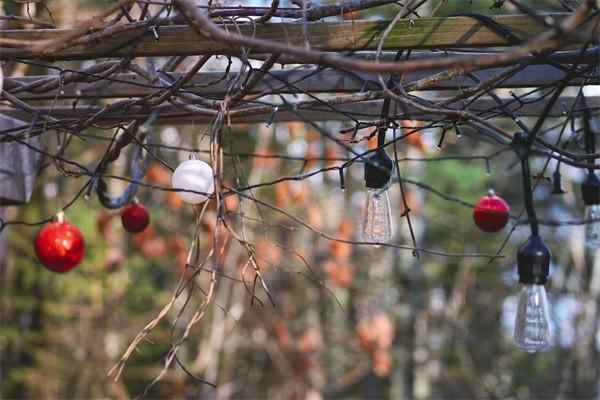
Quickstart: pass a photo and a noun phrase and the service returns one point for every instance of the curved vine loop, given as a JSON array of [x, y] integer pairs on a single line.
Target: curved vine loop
[[138, 166]]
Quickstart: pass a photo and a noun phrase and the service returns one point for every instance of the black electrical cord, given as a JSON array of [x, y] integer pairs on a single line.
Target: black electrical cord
[[522, 150], [590, 139], [385, 108]]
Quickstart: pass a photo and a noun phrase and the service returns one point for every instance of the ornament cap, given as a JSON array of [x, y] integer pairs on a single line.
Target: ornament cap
[[378, 169], [590, 189], [533, 261]]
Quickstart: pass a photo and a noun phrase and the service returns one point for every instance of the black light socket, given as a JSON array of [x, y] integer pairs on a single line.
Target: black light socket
[[533, 261], [378, 169], [590, 190], [557, 183]]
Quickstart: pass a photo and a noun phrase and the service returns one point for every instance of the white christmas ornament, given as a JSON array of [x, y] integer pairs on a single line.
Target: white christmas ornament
[[193, 175]]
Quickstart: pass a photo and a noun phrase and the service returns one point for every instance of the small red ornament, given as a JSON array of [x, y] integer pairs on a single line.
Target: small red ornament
[[59, 246], [491, 213], [135, 218]]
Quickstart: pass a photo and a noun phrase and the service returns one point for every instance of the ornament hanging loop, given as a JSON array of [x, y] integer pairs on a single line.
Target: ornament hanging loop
[[138, 166]]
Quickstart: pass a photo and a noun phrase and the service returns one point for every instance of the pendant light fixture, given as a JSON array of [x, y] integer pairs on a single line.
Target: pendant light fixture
[[377, 222], [532, 325], [590, 189]]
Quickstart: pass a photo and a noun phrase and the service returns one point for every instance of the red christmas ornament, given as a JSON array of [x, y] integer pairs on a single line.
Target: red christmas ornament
[[135, 218], [491, 213], [59, 246]]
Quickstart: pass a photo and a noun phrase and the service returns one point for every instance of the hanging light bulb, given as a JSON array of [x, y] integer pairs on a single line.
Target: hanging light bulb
[[195, 175], [532, 330], [532, 325], [377, 223], [590, 190]]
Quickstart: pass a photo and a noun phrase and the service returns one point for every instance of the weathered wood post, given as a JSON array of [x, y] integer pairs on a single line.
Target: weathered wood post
[[18, 169]]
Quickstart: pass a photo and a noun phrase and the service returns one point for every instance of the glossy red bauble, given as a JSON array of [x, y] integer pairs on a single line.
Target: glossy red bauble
[[59, 246], [491, 213], [135, 218]]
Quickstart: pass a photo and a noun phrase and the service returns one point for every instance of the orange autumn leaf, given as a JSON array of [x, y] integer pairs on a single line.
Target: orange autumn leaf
[[265, 159], [414, 138], [299, 255], [382, 324], [209, 222], [310, 156], [409, 126], [372, 142], [366, 337], [282, 194], [267, 254], [177, 243], [154, 247], [299, 191], [310, 341], [340, 251], [296, 128], [382, 363], [245, 270], [159, 175], [174, 200], [375, 332], [312, 136], [411, 200], [232, 202], [282, 334], [340, 275], [139, 238], [346, 229], [314, 216], [331, 154]]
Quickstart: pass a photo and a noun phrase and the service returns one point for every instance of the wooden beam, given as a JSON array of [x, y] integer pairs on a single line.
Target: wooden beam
[[132, 85], [424, 33], [367, 110], [325, 81], [591, 55]]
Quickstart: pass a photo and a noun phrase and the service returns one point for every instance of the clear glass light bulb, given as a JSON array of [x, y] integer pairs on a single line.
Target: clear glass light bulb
[[377, 225], [532, 326], [592, 229]]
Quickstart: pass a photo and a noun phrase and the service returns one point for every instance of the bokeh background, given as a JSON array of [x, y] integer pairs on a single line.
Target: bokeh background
[[348, 321]]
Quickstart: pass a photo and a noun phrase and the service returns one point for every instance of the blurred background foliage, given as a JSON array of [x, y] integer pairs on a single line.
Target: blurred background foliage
[[360, 322]]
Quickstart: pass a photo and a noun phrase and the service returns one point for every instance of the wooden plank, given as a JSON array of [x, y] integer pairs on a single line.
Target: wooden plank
[[18, 167], [425, 33], [367, 110], [326, 81], [591, 55]]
